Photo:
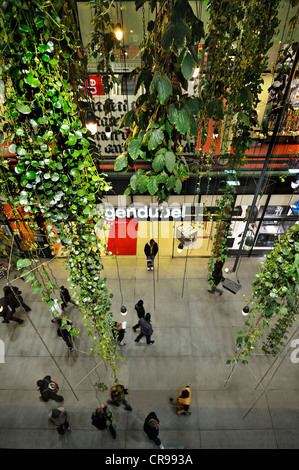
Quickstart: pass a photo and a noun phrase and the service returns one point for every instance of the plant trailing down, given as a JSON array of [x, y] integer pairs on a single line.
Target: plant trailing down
[[239, 35], [53, 173], [164, 113], [103, 46], [274, 301]]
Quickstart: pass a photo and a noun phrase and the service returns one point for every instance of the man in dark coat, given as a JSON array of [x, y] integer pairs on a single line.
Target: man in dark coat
[[217, 277], [6, 313], [140, 313], [65, 297], [102, 418], [14, 299], [146, 329], [63, 331], [48, 389], [151, 428]]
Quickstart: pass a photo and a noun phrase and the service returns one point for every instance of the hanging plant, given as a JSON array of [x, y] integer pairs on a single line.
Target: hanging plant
[[164, 114], [53, 173], [274, 302], [239, 36]]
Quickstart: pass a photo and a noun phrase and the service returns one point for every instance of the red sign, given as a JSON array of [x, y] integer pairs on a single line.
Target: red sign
[[94, 85]]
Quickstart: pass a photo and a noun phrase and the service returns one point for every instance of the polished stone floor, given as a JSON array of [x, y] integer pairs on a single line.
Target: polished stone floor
[[194, 334]]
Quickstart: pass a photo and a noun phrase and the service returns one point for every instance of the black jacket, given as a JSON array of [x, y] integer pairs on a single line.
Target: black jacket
[[140, 311], [65, 295], [99, 420], [147, 249], [151, 432]]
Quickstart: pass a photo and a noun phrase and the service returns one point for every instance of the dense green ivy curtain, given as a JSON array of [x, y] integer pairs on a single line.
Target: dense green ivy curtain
[[53, 173]]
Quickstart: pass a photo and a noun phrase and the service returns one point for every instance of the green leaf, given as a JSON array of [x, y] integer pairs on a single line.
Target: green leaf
[[168, 36], [170, 160], [172, 113], [23, 263], [181, 32], [182, 122], [32, 81], [244, 118], [178, 186], [154, 82], [128, 119], [38, 290], [142, 183], [23, 108], [164, 89], [134, 148], [72, 140], [121, 162], [152, 185], [30, 175], [156, 139], [74, 172], [30, 277], [81, 192], [134, 181], [188, 66], [158, 162]]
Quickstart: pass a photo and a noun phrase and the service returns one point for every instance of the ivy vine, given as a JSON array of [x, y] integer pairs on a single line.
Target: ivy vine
[[53, 173]]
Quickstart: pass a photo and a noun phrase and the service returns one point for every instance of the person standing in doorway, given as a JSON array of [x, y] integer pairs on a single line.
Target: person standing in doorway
[[151, 428], [217, 277], [140, 313], [146, 329], [150, 250]]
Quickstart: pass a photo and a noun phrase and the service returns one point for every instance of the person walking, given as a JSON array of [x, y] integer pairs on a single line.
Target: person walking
[[56, 311], [60, 418], [102, 418], [117, 394], [119, 332], [6, 313], [64, 332], [146, 329], [217, 277], [183, 401], [14, 299], [65, 297], [48, 389], [140, 313], [150, 250], [151, 428]]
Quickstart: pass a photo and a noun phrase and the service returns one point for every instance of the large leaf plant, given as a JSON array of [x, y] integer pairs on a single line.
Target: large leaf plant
[[164, 113]]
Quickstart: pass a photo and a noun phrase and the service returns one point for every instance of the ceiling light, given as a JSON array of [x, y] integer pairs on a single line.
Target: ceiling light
[[118, 32], [91, 122], [180, 247], [245, 310], [108, 132], [123, 310]]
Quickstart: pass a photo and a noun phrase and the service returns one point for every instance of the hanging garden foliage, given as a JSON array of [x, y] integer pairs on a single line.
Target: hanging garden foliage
[[53, 173], [164, 113], [239, 35], [274, 302]]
